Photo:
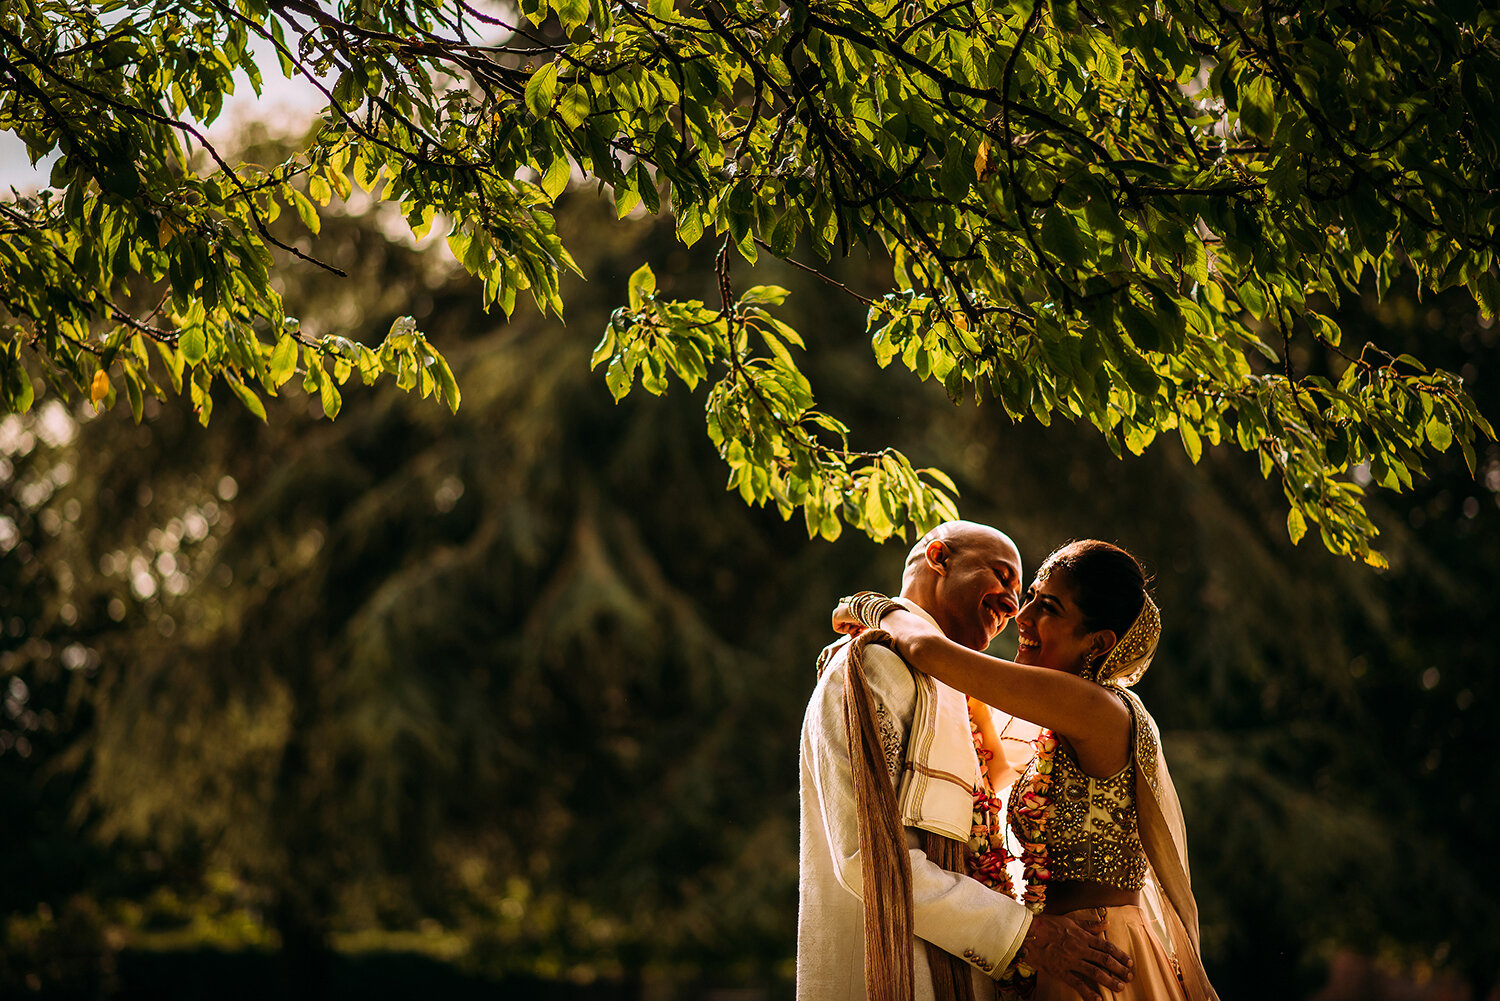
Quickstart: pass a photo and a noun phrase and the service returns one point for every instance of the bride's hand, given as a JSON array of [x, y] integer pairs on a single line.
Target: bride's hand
[[845, 622], [857, 612]]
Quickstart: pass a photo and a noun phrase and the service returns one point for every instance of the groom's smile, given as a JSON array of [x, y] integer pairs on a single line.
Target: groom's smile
[[998, 609]]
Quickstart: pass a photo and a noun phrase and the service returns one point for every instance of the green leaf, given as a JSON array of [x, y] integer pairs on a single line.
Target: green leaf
[[19, 392], [1253, 298], [330, 398], [248, 397], [784, 234], [1337, 449], [1142, 327], [1439, 433], [306, 211], [369, 365], [1111, 65], [133, 391], [1192, 444], [1195, 261], [876, 520], [574, 107], [1060, 236], [172, 359], [764, 295], [555, 180], [605, 348], [932, 472], [199, 391], [1486, 290], [1258, 107], [447, 384], [618, 378], [571, 13], [1138, 437], [1140, 375], [689, 225], [191, 344], [283, 361], [1296, 525], [642, 285], [540, 90]]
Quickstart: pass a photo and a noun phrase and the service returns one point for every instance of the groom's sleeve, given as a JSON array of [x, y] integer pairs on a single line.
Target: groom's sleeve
[[957, 914]]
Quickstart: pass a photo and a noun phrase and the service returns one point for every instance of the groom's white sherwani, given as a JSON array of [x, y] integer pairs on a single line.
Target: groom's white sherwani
[[924, 725]]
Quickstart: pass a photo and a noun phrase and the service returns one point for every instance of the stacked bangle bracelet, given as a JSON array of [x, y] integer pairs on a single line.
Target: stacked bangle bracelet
[[869, 607]]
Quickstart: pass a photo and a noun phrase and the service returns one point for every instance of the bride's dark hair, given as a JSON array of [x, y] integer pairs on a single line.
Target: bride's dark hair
[[1108, 583]]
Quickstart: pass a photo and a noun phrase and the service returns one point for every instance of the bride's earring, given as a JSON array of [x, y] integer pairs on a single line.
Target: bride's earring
[[1092, 663]]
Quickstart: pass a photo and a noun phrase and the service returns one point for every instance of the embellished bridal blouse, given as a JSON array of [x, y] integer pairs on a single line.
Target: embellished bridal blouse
[[1093, 832]]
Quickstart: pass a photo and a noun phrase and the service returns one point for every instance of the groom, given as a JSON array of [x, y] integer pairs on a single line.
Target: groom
[[966, 578]]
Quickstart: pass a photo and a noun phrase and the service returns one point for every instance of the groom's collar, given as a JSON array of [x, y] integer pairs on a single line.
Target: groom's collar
[[913, 607]]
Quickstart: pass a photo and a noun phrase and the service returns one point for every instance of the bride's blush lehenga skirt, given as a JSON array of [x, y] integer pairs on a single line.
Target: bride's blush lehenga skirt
[[1128, 929]]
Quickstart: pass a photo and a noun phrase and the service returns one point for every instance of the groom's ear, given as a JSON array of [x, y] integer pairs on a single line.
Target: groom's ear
[[938, 556]]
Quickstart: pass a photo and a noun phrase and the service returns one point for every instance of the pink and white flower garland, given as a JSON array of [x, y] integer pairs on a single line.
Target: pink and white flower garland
[[988, 857], [1035, 806]]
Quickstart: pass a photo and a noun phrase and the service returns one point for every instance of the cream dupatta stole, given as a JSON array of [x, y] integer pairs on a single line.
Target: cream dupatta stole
[[1168, 891]]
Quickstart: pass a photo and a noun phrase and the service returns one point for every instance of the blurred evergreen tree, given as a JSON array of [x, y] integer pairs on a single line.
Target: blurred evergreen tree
[[517, 669]]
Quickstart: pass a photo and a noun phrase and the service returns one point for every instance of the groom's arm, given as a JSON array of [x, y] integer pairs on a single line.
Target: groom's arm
[[957, 914]]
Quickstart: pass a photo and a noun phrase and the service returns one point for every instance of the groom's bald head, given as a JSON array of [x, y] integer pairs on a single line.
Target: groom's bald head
[[968, 577], [959, 536]]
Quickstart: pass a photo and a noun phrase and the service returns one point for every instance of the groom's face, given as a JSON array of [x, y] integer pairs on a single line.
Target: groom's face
[[978, 587]]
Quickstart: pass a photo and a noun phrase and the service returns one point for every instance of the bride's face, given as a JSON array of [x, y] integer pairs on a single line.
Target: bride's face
[[1051, 627]]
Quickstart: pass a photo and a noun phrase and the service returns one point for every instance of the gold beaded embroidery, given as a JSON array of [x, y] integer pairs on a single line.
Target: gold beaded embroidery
[[1131, 656], [1145, 748], [890, 742], [1091, 830]]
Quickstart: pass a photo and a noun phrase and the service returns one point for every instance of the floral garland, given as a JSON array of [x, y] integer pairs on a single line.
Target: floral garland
[[988, 858], [1036, 806]]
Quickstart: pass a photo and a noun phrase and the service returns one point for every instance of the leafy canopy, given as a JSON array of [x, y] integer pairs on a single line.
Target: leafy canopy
[[1134, 216]]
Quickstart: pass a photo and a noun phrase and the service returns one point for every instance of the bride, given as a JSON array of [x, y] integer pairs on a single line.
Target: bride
[[1094, 811]]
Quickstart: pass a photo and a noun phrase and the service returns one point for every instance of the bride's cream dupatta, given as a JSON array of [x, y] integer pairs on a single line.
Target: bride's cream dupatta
[[1168, 892]]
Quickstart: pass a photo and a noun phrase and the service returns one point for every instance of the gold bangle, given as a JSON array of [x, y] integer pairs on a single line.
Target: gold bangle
[[869, 607]]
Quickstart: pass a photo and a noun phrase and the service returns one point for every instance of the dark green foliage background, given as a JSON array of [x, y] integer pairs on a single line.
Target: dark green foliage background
[[523, 684]]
